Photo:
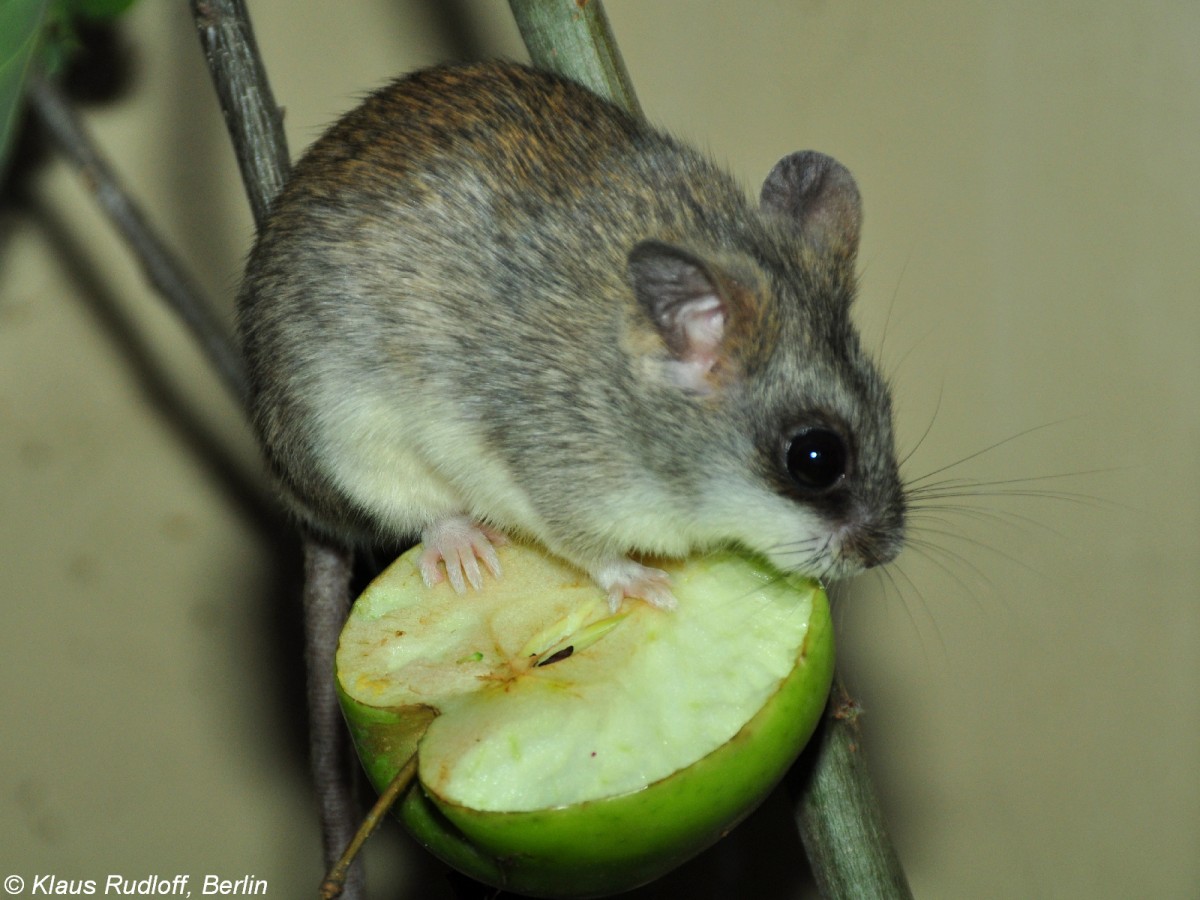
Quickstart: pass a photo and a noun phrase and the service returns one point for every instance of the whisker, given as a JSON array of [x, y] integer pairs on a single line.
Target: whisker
[[916, 487], [1022, 487], [802, 552], [935, 513], [887, 318], [890, 572], [925, 550], [928, 428], [965, 494], [929, 549], [989, 449]]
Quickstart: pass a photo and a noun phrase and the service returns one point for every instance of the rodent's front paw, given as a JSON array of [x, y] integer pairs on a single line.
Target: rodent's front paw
[[626, 578], [461, 543]]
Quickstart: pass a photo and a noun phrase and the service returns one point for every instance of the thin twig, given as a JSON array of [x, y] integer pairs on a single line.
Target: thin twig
[[838, 814], [327, 571], [161, 266], [255, 126], [335, 881], [575, 39], [254, 120]]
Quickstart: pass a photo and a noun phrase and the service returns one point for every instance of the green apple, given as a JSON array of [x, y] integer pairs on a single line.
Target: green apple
[[564, 750]]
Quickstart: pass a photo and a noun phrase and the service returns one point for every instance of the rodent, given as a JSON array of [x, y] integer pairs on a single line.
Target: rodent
[[488, 301]]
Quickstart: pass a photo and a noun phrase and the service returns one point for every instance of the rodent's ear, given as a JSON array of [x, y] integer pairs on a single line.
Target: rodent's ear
[[684, 298], [819, 195]]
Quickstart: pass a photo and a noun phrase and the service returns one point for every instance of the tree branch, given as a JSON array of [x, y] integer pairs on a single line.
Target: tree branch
[[575, 39], [254, 121], [255, 126], [838, 815], [162, 268]]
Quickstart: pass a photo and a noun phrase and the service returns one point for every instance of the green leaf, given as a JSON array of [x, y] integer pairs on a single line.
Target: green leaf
[[42, 30], [97, 9], [20, 28]]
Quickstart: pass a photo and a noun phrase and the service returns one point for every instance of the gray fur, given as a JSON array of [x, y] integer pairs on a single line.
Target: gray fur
[[450, 265]]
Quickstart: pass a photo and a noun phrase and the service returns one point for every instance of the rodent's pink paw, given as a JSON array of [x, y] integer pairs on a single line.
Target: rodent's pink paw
[[626, 578], [461, 544]]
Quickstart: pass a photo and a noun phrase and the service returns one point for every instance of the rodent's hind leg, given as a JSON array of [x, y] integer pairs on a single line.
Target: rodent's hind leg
[[461, 544], [621, 578]]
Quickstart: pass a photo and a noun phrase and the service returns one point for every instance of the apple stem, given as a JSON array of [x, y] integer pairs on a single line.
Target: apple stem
[[335, 881]]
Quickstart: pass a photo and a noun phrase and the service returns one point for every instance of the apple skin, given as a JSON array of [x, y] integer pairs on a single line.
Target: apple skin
[[614, 844]]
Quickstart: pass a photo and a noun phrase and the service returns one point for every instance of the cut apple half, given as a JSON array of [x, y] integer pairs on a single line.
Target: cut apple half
[[567, 751]]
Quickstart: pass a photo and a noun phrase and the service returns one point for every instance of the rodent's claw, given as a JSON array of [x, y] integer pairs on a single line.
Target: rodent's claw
[[460, 543], [626, 578]]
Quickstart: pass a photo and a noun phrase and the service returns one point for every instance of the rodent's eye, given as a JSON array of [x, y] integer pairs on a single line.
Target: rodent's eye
[[816, 459]]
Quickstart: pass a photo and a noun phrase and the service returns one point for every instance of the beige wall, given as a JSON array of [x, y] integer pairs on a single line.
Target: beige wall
[[1031, 665]]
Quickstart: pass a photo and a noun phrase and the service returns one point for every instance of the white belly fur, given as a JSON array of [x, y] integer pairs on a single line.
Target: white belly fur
[[410, 468]]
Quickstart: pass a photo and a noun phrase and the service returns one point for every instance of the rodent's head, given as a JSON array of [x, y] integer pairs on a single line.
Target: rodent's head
[[801, 463]]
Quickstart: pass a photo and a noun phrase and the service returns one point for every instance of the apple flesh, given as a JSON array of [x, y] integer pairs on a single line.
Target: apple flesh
[[567, 751]]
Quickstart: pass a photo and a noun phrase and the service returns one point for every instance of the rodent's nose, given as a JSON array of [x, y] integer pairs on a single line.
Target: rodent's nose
[[880, 554], [876, 543]]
